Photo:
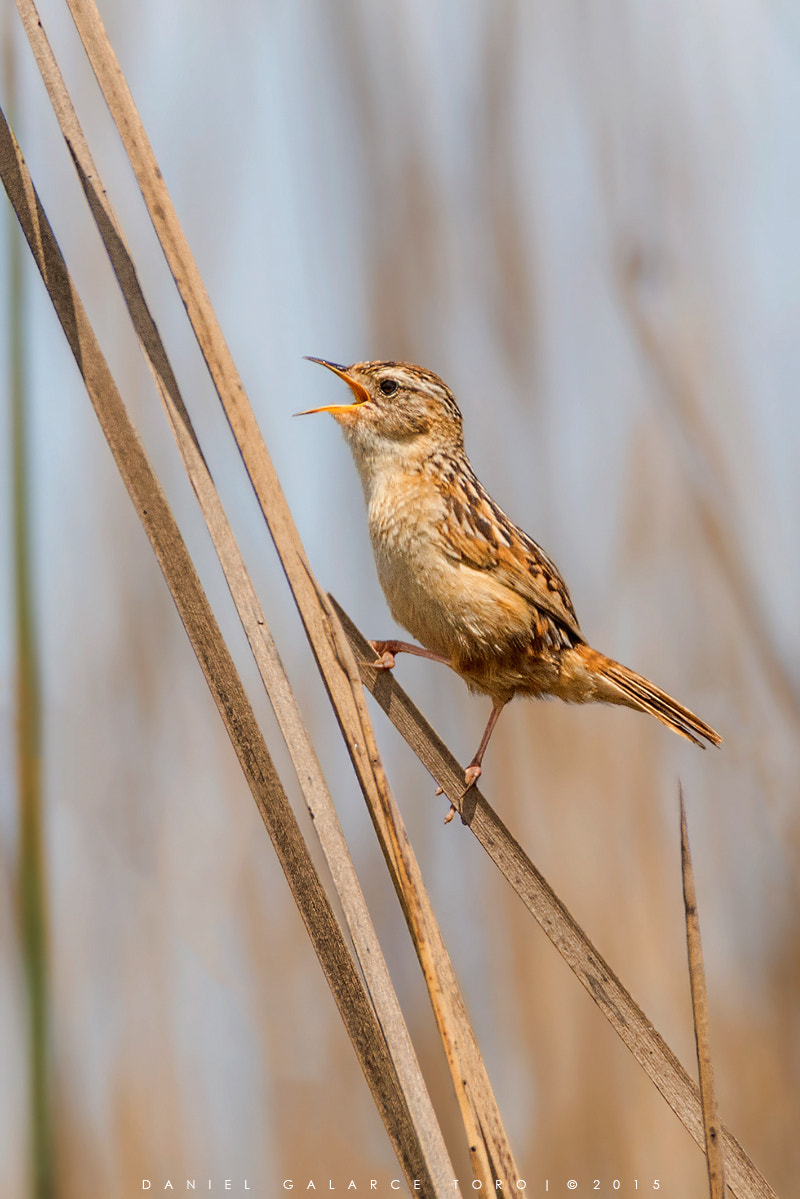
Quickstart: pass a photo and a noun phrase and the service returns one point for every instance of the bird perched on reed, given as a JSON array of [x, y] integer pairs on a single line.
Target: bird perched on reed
[[476, 591]]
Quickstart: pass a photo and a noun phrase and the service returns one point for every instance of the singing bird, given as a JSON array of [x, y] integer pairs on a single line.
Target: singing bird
[[478, 593]]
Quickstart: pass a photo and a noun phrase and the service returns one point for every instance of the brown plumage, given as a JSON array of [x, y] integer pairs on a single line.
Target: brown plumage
[[472, 587]]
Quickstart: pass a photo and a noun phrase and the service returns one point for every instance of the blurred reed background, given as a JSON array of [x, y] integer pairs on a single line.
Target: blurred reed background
[[585, 221]]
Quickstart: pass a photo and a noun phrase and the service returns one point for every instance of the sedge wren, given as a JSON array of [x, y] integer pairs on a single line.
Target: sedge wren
[[472, 587]]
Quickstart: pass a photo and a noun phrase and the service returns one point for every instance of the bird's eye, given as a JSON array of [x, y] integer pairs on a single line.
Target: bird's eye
[[388, 386]]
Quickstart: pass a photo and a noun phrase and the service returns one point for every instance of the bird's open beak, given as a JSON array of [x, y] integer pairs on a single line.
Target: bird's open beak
[[359, 391]]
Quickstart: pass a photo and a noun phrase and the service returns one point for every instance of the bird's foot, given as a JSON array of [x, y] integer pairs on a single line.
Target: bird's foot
[[385, 658], [452, 812], [471, 775]]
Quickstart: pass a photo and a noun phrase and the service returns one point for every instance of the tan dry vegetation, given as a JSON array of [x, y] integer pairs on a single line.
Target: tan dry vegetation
[[192, 1027]]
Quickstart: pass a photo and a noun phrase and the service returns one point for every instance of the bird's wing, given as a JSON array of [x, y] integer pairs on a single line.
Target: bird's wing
[[478, 533]]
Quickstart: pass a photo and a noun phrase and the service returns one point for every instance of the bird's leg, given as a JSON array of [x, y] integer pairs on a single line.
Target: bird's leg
[[386, 651], [473, 771]]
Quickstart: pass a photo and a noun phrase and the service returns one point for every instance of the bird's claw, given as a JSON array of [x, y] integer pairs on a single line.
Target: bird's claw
[[385, 658], [471, 776], [452, 812]]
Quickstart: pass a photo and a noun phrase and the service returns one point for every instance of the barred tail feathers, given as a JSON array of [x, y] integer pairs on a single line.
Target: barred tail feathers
[[624, 686]]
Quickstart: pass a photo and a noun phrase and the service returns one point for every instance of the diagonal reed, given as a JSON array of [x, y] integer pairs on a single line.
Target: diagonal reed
[[226, 688], [488, 1143], [615, 1002], [489, 1147], [304, 759], [697, 982], [598, 979]]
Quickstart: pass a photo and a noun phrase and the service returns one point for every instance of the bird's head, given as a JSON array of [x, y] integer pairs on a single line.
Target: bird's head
[[397, 409]]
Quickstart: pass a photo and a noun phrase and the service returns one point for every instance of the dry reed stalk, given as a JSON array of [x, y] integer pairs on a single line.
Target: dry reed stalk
[[304, 759], [488, 1143], [236, 415], [697, 981], [31, 875], [153, 510], [620, 1009], [489, 1147]]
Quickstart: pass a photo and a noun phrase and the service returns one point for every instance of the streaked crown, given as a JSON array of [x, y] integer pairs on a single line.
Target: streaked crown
[[395, 401]]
